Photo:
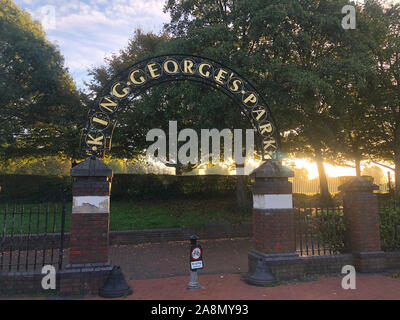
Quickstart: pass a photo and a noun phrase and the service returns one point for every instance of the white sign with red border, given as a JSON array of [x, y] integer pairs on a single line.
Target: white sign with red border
[[196, 253], [196, 261]]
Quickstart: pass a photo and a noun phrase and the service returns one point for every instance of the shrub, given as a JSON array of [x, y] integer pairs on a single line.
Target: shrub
[[390, 228]]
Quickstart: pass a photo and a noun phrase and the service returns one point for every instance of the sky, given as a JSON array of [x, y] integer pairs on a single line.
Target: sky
[[86, 31]]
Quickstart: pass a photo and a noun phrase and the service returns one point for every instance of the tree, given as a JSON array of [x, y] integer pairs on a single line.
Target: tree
[[290, 49], [386, 100], [375, 172], [40, 109]]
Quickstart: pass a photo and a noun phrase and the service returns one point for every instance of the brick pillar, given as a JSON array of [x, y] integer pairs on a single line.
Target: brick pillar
[[361, 215], [88, 252], [274, 248]]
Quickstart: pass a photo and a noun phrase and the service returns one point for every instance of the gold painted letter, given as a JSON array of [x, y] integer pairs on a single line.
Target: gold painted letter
[[137, 81], [174, 64], [108, 105], [220, 77], [153, 71], [250, 98], [188, 66], [115, 93], [201, 71]]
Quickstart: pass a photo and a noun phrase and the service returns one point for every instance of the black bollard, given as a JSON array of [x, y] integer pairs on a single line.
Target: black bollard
[[261, 276], [115, 285]]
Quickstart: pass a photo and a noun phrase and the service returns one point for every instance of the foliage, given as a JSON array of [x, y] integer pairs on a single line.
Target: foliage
[[40, 108], [390, 228], [296, 52], [40, 166], [385, 91], [31, 188], [375, 172]]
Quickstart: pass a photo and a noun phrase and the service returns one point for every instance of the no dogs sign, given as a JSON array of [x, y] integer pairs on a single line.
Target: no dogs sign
[[196, 261]]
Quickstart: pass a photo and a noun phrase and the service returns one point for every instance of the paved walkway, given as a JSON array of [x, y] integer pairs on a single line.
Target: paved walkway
[[171, 259], [161, 272], [231, 287]]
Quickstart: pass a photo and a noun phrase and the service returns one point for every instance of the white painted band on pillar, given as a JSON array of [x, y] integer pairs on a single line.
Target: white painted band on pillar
[[91, 204], [272, 201]]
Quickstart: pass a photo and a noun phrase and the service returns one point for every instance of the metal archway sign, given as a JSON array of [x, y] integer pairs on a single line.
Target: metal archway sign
[[174, 67]]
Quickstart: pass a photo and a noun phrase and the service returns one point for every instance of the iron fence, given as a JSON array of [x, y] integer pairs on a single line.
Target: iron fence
[[311, 186], [31, 237], [320, 231]]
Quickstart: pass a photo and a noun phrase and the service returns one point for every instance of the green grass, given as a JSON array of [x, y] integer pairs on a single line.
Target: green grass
[[171, 214], [128, 216]]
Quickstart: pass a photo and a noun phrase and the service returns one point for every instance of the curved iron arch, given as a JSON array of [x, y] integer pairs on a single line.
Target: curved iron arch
[[153, 71]]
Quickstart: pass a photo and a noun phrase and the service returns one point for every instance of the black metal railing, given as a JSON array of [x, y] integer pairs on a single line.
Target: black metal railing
[[31, 237], [320, 231]]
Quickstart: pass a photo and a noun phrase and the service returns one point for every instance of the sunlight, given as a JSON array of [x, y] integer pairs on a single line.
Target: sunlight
[[331, 170]]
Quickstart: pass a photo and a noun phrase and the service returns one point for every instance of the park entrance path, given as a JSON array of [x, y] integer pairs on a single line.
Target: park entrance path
[[231, 287], [169, 259], [161, 272]]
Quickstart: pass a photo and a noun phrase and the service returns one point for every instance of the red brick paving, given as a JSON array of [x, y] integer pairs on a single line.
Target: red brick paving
[[231, 287]]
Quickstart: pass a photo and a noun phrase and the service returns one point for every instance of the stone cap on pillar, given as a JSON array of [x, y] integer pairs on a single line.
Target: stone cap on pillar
[[358, 184], [91, 167], [272, 169]]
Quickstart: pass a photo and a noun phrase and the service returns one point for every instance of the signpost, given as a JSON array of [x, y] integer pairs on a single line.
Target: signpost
[[196, 262]]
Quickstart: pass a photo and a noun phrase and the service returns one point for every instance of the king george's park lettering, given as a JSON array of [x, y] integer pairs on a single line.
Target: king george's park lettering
[[154, 71]]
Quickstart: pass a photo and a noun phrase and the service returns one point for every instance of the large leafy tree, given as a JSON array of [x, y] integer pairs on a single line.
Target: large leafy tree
[[386, 97], [356, 91], [293, 50], [40, 108]]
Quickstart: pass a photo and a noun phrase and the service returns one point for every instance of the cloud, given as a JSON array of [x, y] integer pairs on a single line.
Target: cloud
[[88, 30]]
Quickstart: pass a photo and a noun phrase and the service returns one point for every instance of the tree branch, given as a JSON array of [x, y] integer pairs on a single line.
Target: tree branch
[[383, 165]]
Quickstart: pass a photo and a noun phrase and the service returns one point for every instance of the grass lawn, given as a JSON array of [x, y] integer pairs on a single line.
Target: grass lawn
[[127, 216], [172, 214]]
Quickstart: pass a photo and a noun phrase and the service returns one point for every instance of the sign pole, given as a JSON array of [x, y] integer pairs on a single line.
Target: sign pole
[[194, 281]]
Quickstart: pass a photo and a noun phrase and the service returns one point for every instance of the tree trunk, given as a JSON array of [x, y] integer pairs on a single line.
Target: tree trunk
[[358, 167], [241, 192], [326, 198]]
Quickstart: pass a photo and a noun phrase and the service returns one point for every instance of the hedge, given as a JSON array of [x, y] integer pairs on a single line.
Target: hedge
[[31, 188]]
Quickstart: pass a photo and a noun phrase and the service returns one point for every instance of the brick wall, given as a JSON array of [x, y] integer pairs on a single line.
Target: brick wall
[[87, 280], [89, 238], [362, 217], [273, 231]]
